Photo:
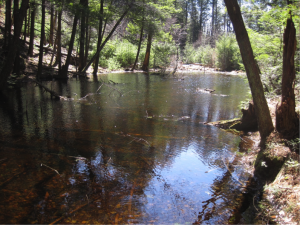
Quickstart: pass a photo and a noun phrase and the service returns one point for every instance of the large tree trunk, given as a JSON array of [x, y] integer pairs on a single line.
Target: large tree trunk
[[40, 65], [7, 31], [25, 27], [64, 71], [58, 37], [32, 18], [17, 69], [13, 45], [83, 4], [213, 17], [145, 66], [87, 39], [52, 25], [139, 48], [265, 124], [100, 36], [287, 120]]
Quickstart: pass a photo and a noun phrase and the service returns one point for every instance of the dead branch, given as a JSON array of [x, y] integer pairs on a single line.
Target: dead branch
[[99, 87], [138, 139], [242, 185], [50, 168], [108, 85], [74, 210], [52, 93]]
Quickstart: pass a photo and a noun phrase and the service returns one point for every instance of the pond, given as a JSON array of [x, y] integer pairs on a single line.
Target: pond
[[132, 150]]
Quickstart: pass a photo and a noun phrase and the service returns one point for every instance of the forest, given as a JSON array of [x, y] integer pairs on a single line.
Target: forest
[[122, 34], [51, 43]]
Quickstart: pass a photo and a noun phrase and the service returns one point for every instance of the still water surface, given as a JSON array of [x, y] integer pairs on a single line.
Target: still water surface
[[134, 152]]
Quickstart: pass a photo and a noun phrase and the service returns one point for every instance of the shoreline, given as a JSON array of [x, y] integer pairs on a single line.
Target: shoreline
[[274, 200]]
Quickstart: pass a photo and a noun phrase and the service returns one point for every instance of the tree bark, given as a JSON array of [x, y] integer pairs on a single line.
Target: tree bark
[[145, 66], [287, 120], [265, 124], [7, 31], [100, 36], [25, 27], [139, 48], [17, 69], [41, 53], [13, 45], [64, 70], [58, 36], [87, 39], [83, 28], [33, 10], [52, 26]]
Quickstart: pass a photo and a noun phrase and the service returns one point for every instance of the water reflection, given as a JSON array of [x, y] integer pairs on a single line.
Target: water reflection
[[136, 151]]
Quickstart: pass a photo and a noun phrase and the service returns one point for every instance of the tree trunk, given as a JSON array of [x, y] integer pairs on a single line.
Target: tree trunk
[[213, 17], [145, 66], [139, 48], [52, 26], [265, 124], [64, 71], [17, 69], [7, 31], [87, 39], [58, 36], [287, 120], [25, 27], [53, 51], [105, 41], [100, 36], [30, 48], [13, 46], [83, 4], [40, 65], [28, 20]]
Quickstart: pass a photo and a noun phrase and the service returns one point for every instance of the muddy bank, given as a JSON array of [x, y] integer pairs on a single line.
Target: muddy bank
[[276, 172]]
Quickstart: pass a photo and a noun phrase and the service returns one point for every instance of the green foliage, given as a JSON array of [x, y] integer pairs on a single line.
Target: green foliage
[[162, 52], [207, 56], [292, 163], [117, 54], [204, 54], [125, 53], [189, 53], [266, 41], [267, 50], [228, 53], [294, 144], [113, 64]]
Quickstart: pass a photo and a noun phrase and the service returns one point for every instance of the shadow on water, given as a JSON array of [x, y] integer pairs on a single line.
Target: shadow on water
[[136, 151]]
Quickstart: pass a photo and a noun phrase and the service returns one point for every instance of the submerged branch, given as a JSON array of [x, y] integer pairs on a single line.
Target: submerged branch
[[52, 93], [50, 168], [242, 185], [109, 85]]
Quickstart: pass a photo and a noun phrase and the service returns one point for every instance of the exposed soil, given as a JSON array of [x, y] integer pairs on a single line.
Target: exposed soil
[[279, 200]]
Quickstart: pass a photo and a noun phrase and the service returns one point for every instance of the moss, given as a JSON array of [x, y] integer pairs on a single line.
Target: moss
[[268, 165], [235, 126]]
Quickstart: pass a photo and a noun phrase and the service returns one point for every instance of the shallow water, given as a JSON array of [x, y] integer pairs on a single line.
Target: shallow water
[[133, 152]]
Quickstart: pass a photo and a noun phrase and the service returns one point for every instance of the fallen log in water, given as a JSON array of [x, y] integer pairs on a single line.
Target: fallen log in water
[[248, 122], [52, 93]]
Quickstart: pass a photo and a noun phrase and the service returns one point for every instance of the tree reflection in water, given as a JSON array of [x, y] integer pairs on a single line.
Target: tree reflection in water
[[143, 157]]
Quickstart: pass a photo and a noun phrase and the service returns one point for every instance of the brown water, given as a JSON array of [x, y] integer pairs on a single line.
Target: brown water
[[134, 152]]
